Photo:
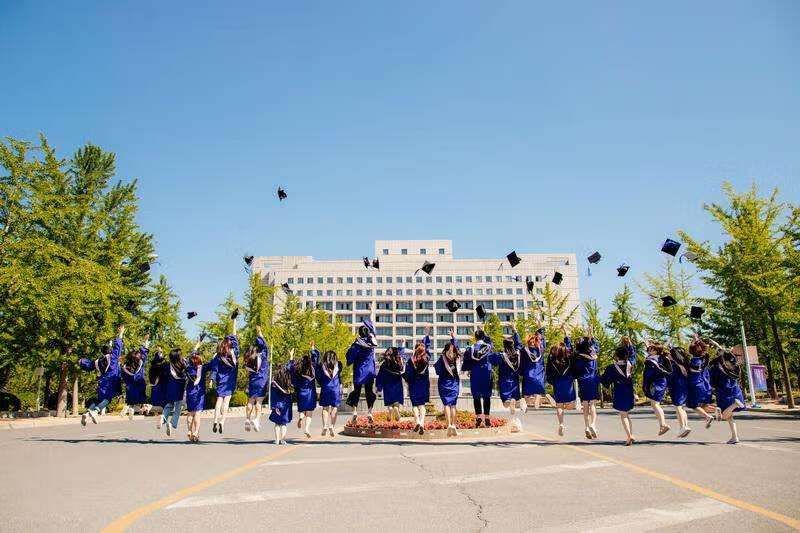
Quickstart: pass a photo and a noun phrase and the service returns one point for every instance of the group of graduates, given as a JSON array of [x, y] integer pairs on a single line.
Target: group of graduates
[[689, 377]]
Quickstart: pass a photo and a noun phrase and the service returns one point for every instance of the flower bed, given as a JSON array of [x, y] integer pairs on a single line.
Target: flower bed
[[435, 426]]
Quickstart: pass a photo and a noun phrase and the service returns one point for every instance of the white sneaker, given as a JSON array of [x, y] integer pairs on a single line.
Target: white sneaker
[[83, 419], [93, 416], [277, 442], [246, 424], [685, 432], [130, 413], [561, 430], [587, 433], [284, 442], [307, 434], [593, 431], [733, 440], [663, 430], [123, 412], [354, 418], [256, 425]]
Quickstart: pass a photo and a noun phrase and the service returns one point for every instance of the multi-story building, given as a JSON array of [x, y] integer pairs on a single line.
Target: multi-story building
[[402, 301]]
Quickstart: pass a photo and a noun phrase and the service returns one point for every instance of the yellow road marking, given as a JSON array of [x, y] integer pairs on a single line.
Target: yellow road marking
[[791, 522], [125, 521]]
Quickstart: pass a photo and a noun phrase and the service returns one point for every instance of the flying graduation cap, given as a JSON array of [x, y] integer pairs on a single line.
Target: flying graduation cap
[[622, 270], [248, 260], [670, 247], [593, 259], [235, 314], [481, 312], [557, 278], [696, 312], [376, 264], [144, 267], [529, 285], [668, 301], [285, 286], [426, 267], [366, 262], [513, 259], [190, 315], [281, 194], [453, 306]]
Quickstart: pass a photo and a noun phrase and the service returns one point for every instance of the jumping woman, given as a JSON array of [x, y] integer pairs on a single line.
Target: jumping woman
[[176, 378], [195, 392], [560, 375], [328, 372], [361, 355], [419, 385], [304, 383], [225, 368], [280, 397], [585, 361], [698, 396], [532, 370], [620, 376], [508, 370], [157, 386], [725, 373], [256, 362], [657, 366], [449, 383], [476, 362], [390, 380], [132, 373], [109, 383], [678, 384]]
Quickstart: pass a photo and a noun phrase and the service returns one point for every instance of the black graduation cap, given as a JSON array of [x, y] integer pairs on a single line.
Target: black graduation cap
[[513, 259], [190, 315], [518, 278], [144, 267], [235, 314], [130, 306], [248, 260], [285, 286], [696, 312], [281, 194], [668, 301], [376, 264], [622, 270], [481, 312], [529, 284], [670, 247], [594, 258], [557, 277], [453, 306], [366, 262], [426, 267]]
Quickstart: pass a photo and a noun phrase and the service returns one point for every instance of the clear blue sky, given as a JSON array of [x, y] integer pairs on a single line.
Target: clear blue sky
[[500, 125]]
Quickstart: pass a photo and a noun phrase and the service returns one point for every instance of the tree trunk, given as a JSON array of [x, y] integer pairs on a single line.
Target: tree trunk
[[61, 405], [787, 385], [75, 395], [771, 386]]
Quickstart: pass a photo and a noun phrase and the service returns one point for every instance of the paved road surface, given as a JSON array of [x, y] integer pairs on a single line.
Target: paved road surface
[[128, 474]]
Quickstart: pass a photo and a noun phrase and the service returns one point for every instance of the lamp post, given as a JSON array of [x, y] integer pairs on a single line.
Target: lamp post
[[747, 365]]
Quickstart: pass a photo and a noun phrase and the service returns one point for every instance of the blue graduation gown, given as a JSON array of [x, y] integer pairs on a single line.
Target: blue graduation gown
[[280, 403], [620, 376], [480, 372], [532, 370], [304, 386], [158, 389], [330, 390], [449, 383], [225, 371], [654, 380], [391, 383], [135, 386], [507, 377], [699, 382], [726, 388], [678, 384], [176, 385], [196, 392], [419, 384], [585, 370], [257, 379], [562, 380], [362, 358], [109, 383]]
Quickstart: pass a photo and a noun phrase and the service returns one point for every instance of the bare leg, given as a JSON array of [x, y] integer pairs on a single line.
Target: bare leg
[[586, 422], [626, 425], [217, 410], [325, 419], [277, 434], [334, 412], [225, 403], [307, 423], [662, 422], [734, 433], [560, 416]]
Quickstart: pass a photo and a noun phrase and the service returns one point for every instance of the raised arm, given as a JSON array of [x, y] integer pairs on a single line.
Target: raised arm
[[314, 355], [144, 349], [516, 339], [117, 347]]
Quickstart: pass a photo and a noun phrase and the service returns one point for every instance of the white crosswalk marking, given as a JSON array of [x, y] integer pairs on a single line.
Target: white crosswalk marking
[[648, 519], [282, 494], [768, 448]]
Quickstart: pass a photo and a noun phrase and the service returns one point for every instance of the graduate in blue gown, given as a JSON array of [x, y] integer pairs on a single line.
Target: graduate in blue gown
[[417, 375], [304, 382], [449, 382], [585, 368], [476, 362], [678, 385], [508, 363], [532, 370], [561, 376], [361, 356], [657, 367], [329, 372], [256, 362], [280, 401], [132, 373], [224, 372], [725, 373], [109, 382], [196, 374], [175, 377], [390, 380], [620, 376], [698, 395]]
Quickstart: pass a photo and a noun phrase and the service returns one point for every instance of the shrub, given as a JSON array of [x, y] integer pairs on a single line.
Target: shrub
[[238, 399], [9, 402]]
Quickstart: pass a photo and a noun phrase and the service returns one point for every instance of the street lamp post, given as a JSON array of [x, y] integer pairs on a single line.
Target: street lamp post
[[747, 365]]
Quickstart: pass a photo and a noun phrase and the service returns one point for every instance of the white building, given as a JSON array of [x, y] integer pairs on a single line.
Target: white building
[[402, 302]]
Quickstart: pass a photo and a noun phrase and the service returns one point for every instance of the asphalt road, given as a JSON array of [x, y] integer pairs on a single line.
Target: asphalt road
[[120, 474]]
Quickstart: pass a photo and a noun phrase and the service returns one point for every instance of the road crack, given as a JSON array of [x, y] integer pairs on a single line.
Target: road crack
[[475, 503]]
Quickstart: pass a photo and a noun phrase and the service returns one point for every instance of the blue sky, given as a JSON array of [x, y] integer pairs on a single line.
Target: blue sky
[[500, 125]]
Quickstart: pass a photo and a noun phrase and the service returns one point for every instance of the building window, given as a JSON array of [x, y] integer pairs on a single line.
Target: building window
[[505, 304], [349, 292], [421, 330], [422, 251], [361, 318], [439, 292], [290, 280], [519, 291], [403, 318], [385, 331], [429, 292], [459, 292], [329, 292], [425, 305], [379, 279], [388, 292], [338, 292], [309, 293], [419, 292], [408, 279], [330, 280], [387, 319], [309, 280], [339, 280], [349, 280], [319, 293], [344, 306], [443, 330], [388, 279], [369, 280], [464, 330], [490, 291], [464, 318], [469, 279], [469, 291], [441, 251], [438, 279], [405, 331], [359, 280], [363, 305], [404, 251], [369, 292], [379, 292], [319, 280], [520, 304], [345, 318], [405, 305], [385, 251], [458, 279], [487, 304], [538, 278], [327, 306], [299, 281], [385, 305], [399, 279], [478, 279], [358, 292], [479, 292], [466, 304], [424, 317], [442, 317], [419, 279], [449, 279]]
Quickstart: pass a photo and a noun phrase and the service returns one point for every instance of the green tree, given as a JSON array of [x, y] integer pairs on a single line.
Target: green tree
[[670, 324], [163, 322], [494, 328], [556, 314], [752, 269]]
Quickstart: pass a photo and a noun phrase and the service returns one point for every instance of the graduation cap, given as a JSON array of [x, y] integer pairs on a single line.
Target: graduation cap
[[285, 286], [622, 270], [696, 312], [518, 278], [144, 267], [366, 262], [248, 260], [281, 194], [594, 258], [670, 247], [513, 259], [690, 256], [235, 314], [426, 267], [130, 306], [481, 312], [203, 336], [557, 277], [453, 306], [668, 301], [529, 284], [376, 264], [190, 315]]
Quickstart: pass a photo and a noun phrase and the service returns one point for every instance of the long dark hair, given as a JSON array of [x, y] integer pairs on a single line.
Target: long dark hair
[[132, 361], [420, 357], [306, 366], [559, 357], [511, 353], [329, 362], [283, 379], [251, 357], [393, 360]]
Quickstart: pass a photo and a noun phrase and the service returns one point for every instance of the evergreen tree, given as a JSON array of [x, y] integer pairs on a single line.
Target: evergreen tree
[[669, 324]]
